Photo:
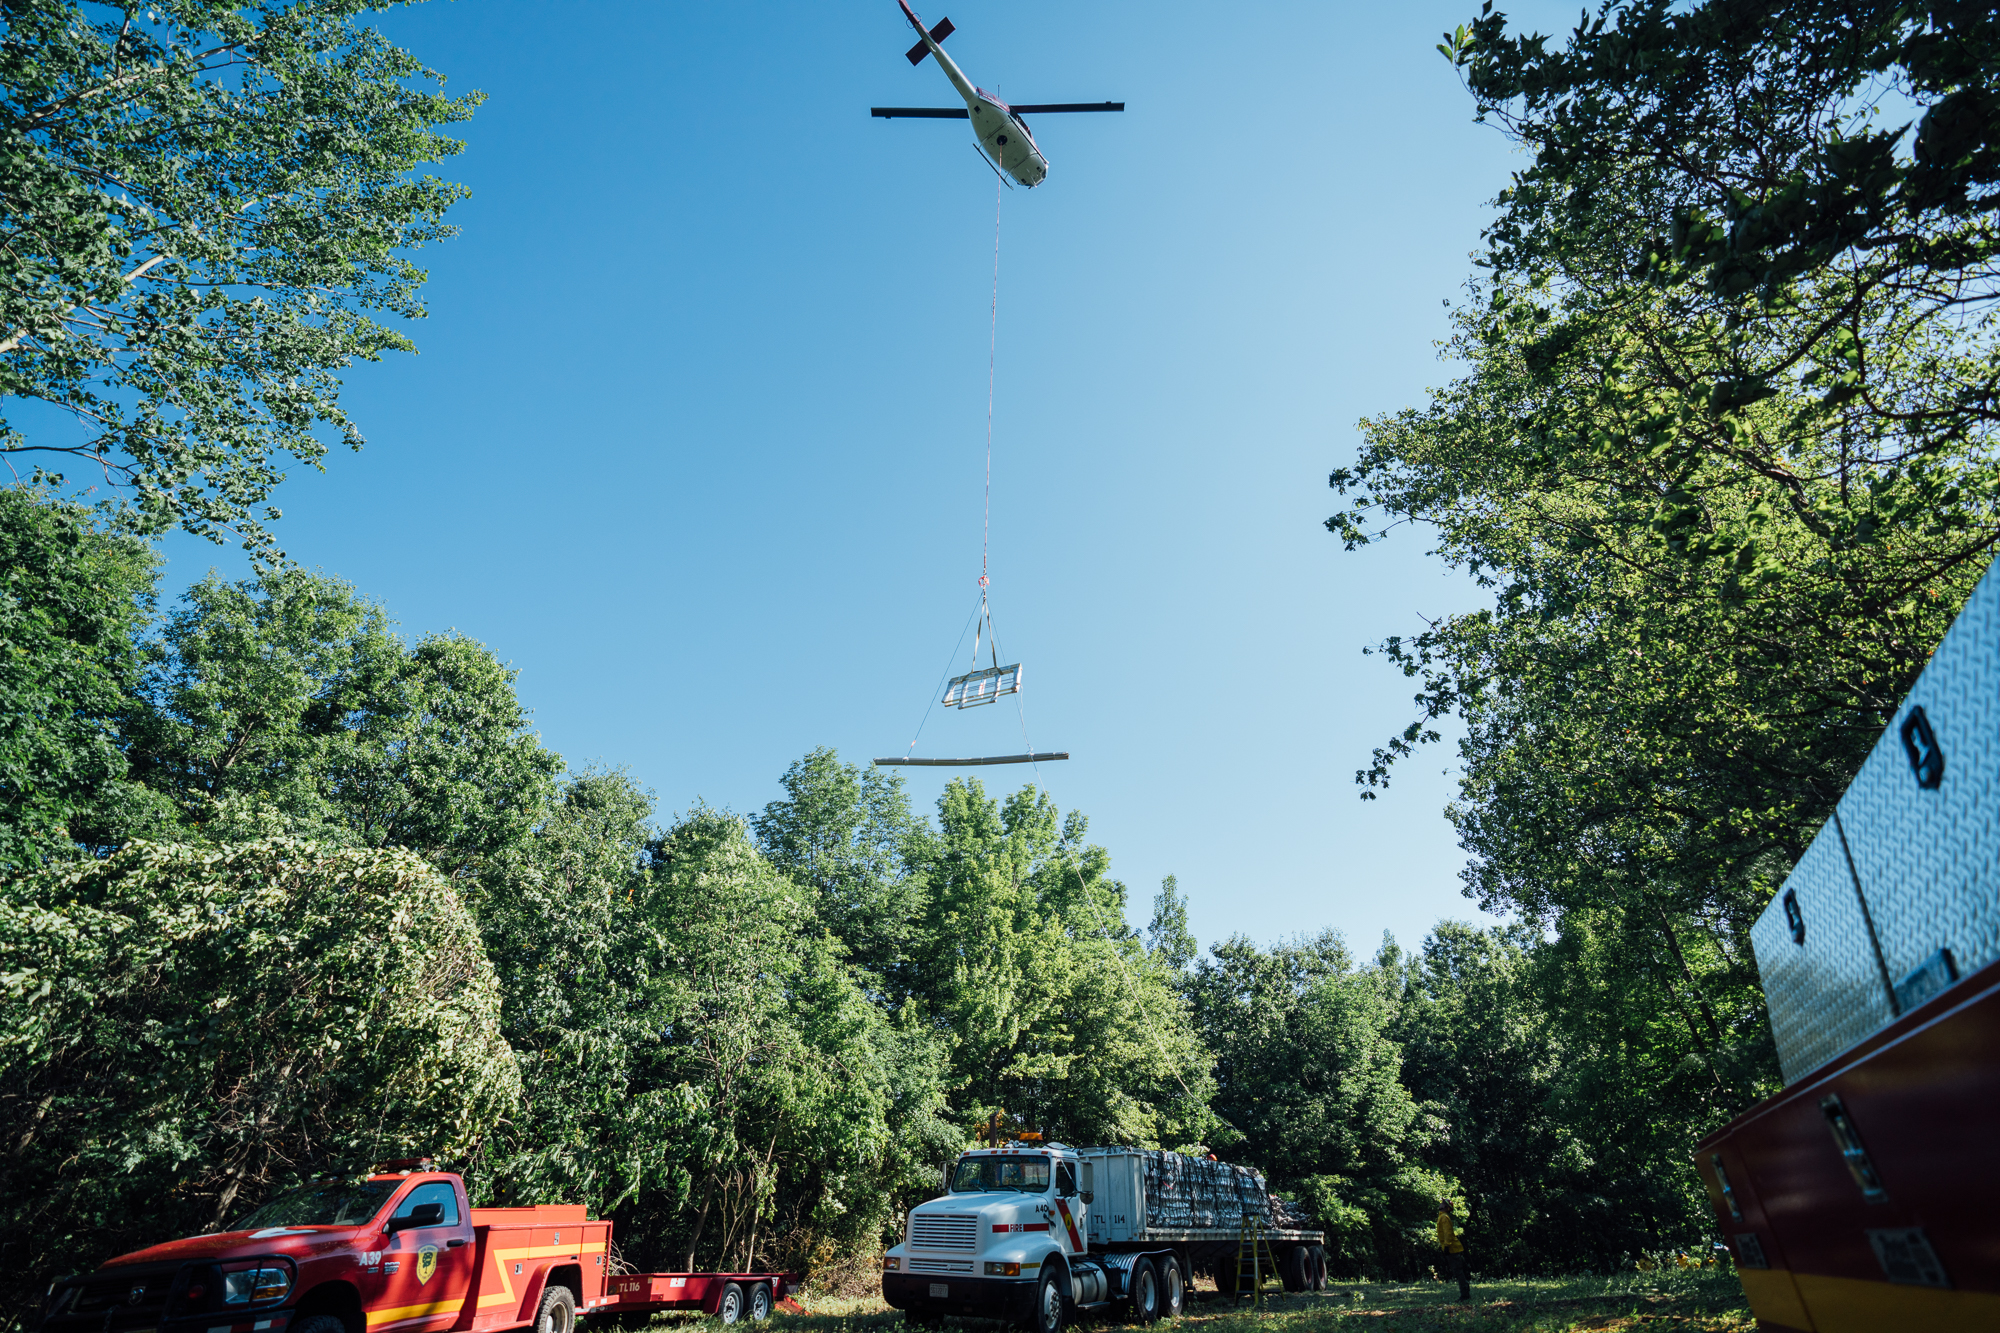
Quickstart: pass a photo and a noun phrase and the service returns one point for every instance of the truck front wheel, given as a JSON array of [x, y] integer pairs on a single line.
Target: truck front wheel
[[322, 1323], [557, 1313], [1050, 1298]]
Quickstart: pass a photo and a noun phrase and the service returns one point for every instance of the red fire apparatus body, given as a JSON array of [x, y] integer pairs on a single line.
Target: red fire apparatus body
[[400, 1252]]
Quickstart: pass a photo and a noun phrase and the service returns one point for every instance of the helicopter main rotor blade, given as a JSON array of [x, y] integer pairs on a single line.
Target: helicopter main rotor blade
[[959, 113]]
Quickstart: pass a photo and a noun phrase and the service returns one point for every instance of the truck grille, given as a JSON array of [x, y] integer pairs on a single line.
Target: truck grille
[[124, 1297], [944, 1231]]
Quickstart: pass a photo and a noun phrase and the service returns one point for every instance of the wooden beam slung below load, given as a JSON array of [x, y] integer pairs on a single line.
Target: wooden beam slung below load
[[1044, 757]]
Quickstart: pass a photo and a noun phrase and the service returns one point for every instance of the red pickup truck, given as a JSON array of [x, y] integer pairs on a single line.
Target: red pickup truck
[[399, 1252]]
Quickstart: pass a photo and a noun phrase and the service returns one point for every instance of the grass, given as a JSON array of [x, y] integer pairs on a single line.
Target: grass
[[1685, 1302]]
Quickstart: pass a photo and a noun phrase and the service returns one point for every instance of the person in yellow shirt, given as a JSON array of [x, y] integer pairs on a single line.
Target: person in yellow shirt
[[1454, 1250]]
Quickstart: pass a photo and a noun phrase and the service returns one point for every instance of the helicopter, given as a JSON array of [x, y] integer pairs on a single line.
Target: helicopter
[[1003, 135]]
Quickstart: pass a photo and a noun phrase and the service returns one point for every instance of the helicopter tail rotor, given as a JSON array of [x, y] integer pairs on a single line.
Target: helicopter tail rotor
[[915, 55]]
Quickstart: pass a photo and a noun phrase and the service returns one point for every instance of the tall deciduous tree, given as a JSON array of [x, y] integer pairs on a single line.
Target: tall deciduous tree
[[207, 210], [1309, 1085], [1056, 1012], [187, 1030], [72, 602], [286, 703]]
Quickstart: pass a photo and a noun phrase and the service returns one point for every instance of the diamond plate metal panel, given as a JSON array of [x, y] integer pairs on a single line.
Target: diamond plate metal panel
[[1927, 858], [1926, 855], [1826, 993]]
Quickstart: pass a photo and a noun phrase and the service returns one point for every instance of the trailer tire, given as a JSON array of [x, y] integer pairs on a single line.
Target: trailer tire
[[1143, 1305], [730, 1308], [557, 1312], [1295, 1269], [1318, 1260], [1051, 1308], [760, 1302], [1173, 1289], [1225, 1275]]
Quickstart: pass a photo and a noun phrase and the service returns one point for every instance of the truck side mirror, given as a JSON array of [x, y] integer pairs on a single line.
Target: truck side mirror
[[1085, 1196], [423, 1215]]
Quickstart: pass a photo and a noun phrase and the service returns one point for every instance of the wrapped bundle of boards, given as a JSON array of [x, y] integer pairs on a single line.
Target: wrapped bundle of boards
[[1185, 1192]]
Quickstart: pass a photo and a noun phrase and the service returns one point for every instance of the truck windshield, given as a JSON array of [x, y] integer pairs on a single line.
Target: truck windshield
[[1027, 1174], [322, 1205]]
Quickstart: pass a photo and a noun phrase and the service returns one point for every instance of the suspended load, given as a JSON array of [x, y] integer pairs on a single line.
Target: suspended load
[[982, 687]]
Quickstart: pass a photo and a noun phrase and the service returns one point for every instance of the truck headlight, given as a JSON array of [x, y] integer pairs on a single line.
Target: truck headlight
[[891, 1264], [255, 1286], [1002, 1270]]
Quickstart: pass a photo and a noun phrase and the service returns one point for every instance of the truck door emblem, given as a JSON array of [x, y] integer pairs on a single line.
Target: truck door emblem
[[1921, 743], [135, 1296], [427, 1263]]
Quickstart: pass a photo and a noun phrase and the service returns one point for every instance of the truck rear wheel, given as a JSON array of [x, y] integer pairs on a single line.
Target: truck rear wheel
[[1144, 1303], [557, 1313], [1173, 1289], [760, 1303], [729, 1309]]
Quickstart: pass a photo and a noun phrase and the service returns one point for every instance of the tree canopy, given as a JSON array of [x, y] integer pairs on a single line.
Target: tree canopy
[[208, 211]]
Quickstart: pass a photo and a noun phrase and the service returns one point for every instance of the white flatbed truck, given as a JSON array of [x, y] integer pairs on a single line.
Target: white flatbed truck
[[1038, 1233]]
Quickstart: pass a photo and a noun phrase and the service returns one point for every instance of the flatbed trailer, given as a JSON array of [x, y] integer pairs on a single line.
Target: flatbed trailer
[[400, 1252]]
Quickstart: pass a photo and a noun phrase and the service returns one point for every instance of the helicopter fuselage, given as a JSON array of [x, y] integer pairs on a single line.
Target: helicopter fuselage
[[1002, 135]]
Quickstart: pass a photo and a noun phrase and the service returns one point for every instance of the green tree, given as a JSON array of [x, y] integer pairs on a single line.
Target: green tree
[[842, 833], [208, 209], [185, 1030], [286, 703], [1167, 936], [1055, 1011], [1309, 1080], [72, 602]]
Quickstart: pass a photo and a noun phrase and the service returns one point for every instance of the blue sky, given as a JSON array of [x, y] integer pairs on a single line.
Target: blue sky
[[695, 438]]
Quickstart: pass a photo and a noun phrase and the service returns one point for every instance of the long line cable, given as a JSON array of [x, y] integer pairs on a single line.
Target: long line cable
[[992, 347]]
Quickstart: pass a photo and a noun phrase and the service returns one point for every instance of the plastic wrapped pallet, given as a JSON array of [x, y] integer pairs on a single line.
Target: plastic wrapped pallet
[[1187, 1193], [1895, 899]]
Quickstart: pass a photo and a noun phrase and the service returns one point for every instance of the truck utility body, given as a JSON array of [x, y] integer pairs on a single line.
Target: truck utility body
[[1860, 1197], [396, 1253], [1038, 1233]]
